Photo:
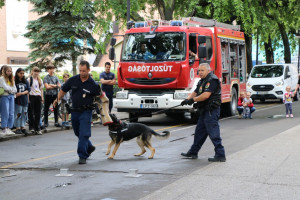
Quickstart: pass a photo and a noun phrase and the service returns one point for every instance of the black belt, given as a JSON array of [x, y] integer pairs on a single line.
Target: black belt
[[81, 108]]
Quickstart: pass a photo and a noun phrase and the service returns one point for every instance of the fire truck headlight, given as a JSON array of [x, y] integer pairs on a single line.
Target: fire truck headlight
[[122, 95], [181, 95]]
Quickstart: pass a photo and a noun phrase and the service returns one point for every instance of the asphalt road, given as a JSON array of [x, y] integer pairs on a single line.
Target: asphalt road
[[36, 160]]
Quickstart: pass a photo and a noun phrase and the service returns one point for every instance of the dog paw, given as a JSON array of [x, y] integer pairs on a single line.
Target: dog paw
[[107, 153], [150, 157], [110, 157]]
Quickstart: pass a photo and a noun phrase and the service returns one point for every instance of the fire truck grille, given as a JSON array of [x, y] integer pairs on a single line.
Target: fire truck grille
[[262, 87], [154, 81]]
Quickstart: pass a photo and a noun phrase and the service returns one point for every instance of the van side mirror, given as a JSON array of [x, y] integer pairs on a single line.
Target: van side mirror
[[111, 54], [201, 52]]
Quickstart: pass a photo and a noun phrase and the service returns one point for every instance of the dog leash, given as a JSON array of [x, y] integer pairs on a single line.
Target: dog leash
[[152, 113]]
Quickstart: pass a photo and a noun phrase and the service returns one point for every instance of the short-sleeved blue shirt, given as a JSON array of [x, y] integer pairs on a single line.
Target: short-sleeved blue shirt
[[107, 76], [82, 92]]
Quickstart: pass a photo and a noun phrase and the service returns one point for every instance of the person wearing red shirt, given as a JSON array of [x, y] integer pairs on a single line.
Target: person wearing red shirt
[[240, 107]]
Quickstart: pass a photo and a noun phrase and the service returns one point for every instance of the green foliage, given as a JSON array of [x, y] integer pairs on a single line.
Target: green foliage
[[59, 34], [2, 3]]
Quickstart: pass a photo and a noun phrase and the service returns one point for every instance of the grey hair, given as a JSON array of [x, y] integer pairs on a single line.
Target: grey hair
[[206, 65]]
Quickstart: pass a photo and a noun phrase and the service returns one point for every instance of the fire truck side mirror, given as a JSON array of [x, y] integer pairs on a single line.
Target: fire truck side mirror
[[201, 52], [111, 53], [113, 41], [201, 39]]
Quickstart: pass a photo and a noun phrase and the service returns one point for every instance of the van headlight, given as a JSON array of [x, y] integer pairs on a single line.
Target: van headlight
[[249, 84], [122, 95], [279, 83]]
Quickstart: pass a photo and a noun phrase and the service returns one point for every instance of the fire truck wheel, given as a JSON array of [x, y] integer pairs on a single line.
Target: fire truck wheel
[[232, 105], [133, 117]]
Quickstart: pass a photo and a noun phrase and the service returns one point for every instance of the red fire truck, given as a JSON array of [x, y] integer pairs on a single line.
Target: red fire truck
[[159, 61]]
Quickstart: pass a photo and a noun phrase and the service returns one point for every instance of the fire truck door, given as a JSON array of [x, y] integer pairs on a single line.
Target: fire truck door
[[192, 50]]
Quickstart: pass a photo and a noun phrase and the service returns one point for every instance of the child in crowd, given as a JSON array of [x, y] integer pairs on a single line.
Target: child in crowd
[[36, 98], [287, 100], [246, 102], [21, 101], [65, 100], [7, 100]]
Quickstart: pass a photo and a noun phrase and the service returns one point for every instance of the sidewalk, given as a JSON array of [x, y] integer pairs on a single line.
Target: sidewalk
[[49, 129], [266, 170]]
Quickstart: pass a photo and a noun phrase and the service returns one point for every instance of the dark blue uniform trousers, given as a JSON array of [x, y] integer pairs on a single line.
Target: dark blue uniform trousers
[[81, 123], [208, 125]]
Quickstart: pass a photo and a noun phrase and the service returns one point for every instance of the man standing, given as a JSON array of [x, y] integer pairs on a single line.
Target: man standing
[[207, 95], [52, 85], [108, 81], [84, 88]]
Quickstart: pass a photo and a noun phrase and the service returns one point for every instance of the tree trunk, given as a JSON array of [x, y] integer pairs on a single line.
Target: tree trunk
[[74, 63], [286, 43], [269, 51], [165, 8], [248, 40]]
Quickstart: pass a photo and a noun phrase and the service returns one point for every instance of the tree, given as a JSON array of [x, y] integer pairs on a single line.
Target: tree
[[59, 34], [2, 3]]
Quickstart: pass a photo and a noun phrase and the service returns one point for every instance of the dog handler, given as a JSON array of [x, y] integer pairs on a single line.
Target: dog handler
[[208, 98], [84, 88]]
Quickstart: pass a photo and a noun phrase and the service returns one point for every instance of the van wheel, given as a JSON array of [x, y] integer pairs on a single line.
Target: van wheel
[[133, 117]]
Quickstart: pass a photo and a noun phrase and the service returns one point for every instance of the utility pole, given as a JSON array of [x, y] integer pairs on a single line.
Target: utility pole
[[256, 62], [128, 10]]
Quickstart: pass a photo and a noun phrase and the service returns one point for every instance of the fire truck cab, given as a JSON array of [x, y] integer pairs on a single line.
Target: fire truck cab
[[159, 62]]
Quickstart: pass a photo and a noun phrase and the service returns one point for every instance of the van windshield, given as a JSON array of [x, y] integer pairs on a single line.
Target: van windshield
[[267, 71]]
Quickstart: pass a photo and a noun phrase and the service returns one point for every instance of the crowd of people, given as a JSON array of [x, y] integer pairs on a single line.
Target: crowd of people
[[23, 99]]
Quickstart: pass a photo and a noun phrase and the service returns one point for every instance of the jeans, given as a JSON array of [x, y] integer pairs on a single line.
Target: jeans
[[288, 107], [241, 109], [20, 115], [81, 123], [208, 125], [7, 111]]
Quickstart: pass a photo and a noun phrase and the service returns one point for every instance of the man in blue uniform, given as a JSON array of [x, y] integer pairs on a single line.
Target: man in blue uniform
[[207, 95], [84, 88], [108, 81]]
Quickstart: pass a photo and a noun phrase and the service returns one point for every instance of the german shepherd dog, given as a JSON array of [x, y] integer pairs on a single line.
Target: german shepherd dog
[[120, 131]]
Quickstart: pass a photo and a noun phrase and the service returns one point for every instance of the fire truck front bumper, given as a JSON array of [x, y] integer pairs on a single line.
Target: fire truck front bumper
[[138, 103]]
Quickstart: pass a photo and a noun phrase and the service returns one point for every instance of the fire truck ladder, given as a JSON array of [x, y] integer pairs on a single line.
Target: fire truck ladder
[[196, 21]]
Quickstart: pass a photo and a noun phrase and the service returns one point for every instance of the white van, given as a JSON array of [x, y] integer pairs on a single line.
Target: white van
[[269, 81]]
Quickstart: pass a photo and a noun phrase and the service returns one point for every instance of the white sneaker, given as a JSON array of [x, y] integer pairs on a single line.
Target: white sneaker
[[39, 133], [9, 131]]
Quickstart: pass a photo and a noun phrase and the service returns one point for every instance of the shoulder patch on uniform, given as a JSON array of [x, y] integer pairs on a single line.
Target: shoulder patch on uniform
[[207, 85]]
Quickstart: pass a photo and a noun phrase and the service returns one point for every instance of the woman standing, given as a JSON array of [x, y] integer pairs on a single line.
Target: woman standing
[[7, 100], [21, 101], [35, 100]]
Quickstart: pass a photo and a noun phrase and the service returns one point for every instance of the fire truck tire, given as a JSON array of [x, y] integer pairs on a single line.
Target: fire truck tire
[[133, 117], [232, 105]]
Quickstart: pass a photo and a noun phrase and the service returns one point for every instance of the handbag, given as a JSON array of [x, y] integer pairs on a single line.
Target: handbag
[[1, 91]]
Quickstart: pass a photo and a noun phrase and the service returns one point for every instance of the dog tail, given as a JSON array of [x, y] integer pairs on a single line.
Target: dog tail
[[166, 134]]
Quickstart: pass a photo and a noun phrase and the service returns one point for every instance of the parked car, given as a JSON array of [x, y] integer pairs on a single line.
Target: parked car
[[269, 81]]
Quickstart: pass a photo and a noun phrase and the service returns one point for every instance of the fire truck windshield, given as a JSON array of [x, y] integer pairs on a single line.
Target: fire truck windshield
[[164, 46]]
